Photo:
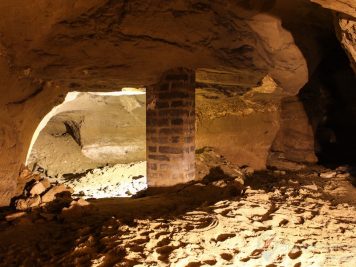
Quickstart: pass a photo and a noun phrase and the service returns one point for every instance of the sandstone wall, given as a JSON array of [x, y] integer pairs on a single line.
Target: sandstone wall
[[91, 131], [49, 48], [345, 24], [240, 126]]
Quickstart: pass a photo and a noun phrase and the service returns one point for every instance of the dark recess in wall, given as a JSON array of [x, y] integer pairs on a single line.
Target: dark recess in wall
[[330, 102]]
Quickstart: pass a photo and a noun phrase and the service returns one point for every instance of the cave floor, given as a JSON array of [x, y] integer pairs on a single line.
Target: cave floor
[[293, 219]]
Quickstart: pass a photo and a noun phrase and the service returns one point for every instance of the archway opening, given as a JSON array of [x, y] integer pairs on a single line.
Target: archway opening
[[95, 143]]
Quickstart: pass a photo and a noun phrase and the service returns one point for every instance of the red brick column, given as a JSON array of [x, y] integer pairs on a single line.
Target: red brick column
[[171, 129]]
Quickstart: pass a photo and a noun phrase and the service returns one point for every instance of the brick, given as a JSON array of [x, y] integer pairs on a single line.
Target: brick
[[180, 103], [152, 149], [170, 150], [150, 130], [164, 166], [163, 140], [171, 131], [177, 121], [162, 104], [151, 112], [152, 166], [151, 122], [178, 112], [153, 175], [175, 139], [159, 157], [188, 139], [173, 95], [163, 122]]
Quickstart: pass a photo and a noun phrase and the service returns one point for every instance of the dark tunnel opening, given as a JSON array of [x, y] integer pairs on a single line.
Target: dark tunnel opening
[[329, 100]]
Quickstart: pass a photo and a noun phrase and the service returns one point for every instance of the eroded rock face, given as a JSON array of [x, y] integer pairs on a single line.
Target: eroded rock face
[[345, 24], [91, 131], [346, 32], [98, 45], [295, 139], [343, 6], [229, 121]]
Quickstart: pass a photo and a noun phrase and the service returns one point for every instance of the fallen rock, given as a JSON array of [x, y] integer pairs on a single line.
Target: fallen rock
[[343, 175], [80, 202], [280, 163], [342, 168], [230, 171], [48, 216], [37, 189], [14, 216], [312, 187], [24, 204], [46, 183], [298, 220], [293, 182], [220, 183], [294, 253], [328, 175], [248, 171], [279, 172], [279, 220], [51, 194]]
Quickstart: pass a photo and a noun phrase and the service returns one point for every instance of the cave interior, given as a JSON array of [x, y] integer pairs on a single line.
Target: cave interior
[[178, 133]]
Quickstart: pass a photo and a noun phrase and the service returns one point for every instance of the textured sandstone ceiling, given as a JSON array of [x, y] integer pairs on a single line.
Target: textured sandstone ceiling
[[345, 24], [343, 6], [101, 43], [48, 48]]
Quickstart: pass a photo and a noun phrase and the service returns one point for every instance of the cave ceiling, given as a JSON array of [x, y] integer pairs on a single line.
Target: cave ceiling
[[101, 44]]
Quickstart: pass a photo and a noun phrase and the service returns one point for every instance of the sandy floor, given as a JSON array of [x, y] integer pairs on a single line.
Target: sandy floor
[[120, 180], [281, 220]]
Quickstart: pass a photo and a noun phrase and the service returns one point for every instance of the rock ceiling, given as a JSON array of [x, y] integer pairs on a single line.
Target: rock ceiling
[[48, 48], [101, 43]]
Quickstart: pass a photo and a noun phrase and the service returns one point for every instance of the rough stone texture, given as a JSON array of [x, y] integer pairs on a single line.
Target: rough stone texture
[[294, 219], [50, 195], [37, 189], [171, 129], [55, 47], [346, 32], [228, 121], [295, 139], [91, 131], [345, 24], [343, 6], [24, 204]]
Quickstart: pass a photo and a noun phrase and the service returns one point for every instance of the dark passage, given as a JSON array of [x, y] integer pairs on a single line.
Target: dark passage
[[330, 102]]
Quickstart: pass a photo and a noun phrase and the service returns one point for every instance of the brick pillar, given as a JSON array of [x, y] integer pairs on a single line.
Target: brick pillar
[[171, 129]]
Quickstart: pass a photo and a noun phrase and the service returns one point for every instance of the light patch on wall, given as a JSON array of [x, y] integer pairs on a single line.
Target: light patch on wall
[[95, 152], [110, 158], [70, 97]]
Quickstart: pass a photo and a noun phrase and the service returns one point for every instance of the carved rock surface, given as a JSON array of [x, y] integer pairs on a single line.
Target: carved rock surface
[[346, 32], [91, 131], [343, 6], [53, 47]]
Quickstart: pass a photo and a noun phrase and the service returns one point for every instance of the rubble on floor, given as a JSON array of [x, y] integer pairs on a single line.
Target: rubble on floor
[[39, 191], [119, 180], [42, 197], [304, 218], [210, 167]]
